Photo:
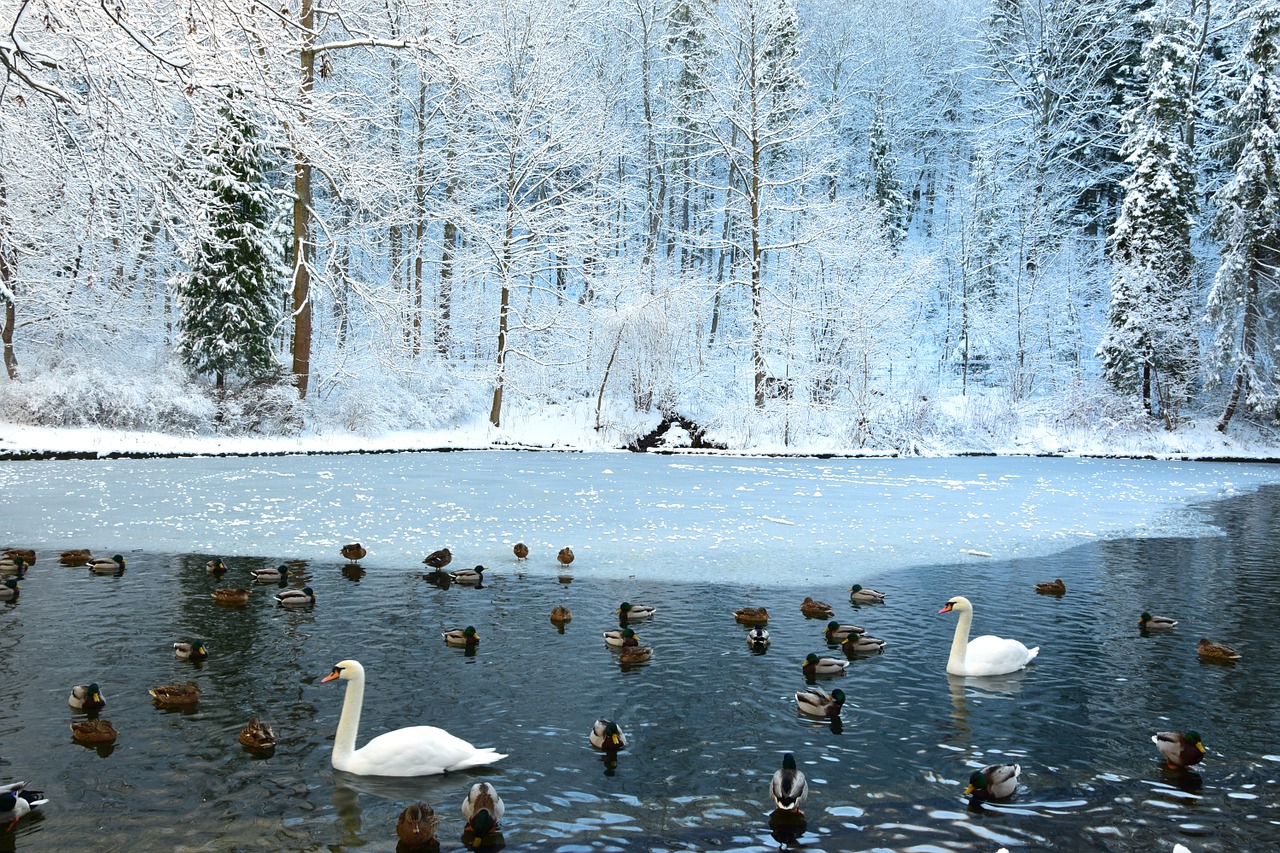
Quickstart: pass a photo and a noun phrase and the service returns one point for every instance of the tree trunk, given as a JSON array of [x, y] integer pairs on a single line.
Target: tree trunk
[[302, 246], [504, 308], [7, 290], [1248, 342], [6, 334]]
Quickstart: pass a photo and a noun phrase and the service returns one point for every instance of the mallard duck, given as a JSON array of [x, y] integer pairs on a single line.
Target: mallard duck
[[1147, 622], [560, 615], [468, 577], [216, 567], [619, 638], [858, 594], [1209, 650], [193, 650], [862, 644], [751, 615], [438, 559], [353, 551], [815, 703], [417, 825], [565, 556], [993, 782], [75, 557], [521, 551], [304, 597], [634, 654], [628, 612], [482, 797], [1180, 749], [815, 665], [608, 735], [461, 637], [27, 554], [837, 632], [280, 575], [816, 609], [257, 735], [758, 637], [1055, 587], [788, 787], [17, 801], [13, 566], [230, 595], [87, 697], [94, 732], [176, 694], [9, 589]]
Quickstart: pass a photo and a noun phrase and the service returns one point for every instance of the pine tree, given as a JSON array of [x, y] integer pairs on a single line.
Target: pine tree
[[228, 300], [1150, 347], [886, 188], [1248, 222]]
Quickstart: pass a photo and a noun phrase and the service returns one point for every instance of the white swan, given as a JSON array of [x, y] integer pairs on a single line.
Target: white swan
[[413, 751], [985, 655]]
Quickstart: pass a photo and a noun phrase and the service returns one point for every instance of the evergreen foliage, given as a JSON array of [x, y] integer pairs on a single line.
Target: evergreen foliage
[[229, 299], [886, 188]]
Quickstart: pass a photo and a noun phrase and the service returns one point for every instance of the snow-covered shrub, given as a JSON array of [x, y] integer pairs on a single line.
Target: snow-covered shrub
[[266, 406], [403, 400]]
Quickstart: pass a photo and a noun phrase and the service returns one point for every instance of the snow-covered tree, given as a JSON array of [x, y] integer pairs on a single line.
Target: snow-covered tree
[[1150, 346], [1246, 291], [229, 299], [886, 188]]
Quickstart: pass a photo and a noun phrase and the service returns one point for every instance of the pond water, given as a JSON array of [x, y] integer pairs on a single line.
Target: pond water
[[707, 719]]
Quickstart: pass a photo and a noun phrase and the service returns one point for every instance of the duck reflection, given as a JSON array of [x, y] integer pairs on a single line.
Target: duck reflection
[[787, 826]]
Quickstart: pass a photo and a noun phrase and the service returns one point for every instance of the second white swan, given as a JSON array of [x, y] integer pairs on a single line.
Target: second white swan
[[985, 655], [413, 751]]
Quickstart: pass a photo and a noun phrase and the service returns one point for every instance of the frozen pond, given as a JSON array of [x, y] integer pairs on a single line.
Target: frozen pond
[[707, 718]]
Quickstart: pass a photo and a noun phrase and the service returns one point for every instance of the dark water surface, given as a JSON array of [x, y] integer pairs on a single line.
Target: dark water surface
[[708, 720]]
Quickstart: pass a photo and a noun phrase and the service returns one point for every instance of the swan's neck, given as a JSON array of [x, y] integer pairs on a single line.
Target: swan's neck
[[959, 644], [344, 743]]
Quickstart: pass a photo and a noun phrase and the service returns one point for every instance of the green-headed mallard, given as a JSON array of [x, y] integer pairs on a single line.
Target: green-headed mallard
[[565, 556], [462, 637], [94, 732], [993, 782], [1211, 651], [468, 577], [216, 567], [107, 565], [862, 644], [788, 787], [438, 559], [13, 566], [1054, 587], [560, 615], [87, 697], [815, 665], [304, 597], [751, 615], [634, 654], [190, 650], [758, 637], [16, 802], [176, 694], [75, 557], [9, 589], [482, 798], [859, 594], [1147, 622], [280, 575], [354, 551], [629, 612], [257, 736], [837, 632], [618, 638], [608, 735], [1180, 749], [813, 609], [815, 703], [230, 595], [417, 826], [521, 551]]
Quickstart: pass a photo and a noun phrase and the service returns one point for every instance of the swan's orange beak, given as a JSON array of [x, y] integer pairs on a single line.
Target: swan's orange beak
[[946, 608], [331, 676]]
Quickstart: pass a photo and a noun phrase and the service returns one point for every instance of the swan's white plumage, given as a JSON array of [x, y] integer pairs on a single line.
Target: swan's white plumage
[[985, 655], [413, 751]]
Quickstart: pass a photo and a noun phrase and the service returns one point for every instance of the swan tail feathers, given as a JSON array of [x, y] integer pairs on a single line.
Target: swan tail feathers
[[481, 757], [1031, 654]]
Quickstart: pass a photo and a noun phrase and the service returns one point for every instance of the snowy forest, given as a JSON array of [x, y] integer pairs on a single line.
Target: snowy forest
[[870, 223]]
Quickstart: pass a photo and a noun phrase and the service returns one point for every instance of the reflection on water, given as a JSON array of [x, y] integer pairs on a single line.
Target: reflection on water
[[707, 719]]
